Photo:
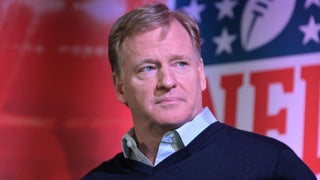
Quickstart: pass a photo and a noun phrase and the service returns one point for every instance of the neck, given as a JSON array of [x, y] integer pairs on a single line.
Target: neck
[[148, 140]]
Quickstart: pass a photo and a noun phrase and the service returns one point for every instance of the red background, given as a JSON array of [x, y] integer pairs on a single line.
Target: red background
[[59, 116], [58, 113]]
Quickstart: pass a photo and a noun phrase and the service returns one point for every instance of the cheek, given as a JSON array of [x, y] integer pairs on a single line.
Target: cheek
[[138, 92], [194, 85], [201, 79]]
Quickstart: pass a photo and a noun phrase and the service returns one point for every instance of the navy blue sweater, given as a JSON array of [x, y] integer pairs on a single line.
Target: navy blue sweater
[[219, 152]]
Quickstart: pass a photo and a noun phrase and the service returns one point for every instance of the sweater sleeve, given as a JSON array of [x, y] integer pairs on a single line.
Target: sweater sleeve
[[289, 166]]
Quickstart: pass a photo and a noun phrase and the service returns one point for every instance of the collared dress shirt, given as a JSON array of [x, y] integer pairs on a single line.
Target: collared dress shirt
[[171, 142]]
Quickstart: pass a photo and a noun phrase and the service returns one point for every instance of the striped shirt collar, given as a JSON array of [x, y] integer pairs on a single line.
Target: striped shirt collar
[[171, 142]]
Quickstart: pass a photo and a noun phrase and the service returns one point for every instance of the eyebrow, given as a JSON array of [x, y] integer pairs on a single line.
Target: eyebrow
[[179, 56], [155, 61], [145, 61]]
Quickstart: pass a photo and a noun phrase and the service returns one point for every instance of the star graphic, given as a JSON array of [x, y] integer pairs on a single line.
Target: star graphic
[[225, 9], [310, 31], [194, 10], [309, 3], [224, 42]]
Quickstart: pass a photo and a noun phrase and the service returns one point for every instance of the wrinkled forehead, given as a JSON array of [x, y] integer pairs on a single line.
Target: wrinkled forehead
[[160, 32], [143, 39], [172, 40], [161, 29]]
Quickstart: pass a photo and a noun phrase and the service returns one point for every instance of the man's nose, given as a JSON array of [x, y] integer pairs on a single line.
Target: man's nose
[[166, 78]]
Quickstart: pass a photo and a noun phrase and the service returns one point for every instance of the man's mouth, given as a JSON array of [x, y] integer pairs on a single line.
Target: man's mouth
[[169, 100]]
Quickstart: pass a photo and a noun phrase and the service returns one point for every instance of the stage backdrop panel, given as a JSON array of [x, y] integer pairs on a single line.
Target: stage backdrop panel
[[59, 116]]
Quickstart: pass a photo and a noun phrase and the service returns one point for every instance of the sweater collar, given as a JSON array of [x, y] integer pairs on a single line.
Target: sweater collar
[[176, 139]]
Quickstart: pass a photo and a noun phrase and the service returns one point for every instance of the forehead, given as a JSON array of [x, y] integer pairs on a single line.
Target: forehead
[[171, 37]]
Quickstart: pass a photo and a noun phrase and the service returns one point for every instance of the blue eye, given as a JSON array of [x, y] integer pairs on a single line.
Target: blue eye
[[181, 64], [147, 69]]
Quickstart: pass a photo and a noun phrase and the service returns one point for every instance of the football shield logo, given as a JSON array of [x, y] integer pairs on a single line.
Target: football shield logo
[[262, 21]]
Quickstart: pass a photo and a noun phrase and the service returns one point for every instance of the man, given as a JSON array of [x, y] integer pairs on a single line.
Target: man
[[159, 74]]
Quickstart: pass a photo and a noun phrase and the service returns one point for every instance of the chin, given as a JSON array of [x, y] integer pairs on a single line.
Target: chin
[[167, 126], [174, 121]]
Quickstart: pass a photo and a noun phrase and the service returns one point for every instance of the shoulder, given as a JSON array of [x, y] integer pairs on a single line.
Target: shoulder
[[119, 168], [258, 151], [237, 137], [220, 140], [113, 166], [239, 145]]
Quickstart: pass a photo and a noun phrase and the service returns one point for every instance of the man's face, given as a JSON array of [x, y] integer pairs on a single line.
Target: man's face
[[162, 78]]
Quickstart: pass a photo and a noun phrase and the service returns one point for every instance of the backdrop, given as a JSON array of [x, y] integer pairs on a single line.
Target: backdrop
[[59, 117]]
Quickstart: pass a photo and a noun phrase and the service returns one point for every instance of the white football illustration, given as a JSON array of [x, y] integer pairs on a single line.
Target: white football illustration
[[264, 20]]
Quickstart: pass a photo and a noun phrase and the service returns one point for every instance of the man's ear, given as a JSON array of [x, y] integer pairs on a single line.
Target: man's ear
[[119, 89]]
